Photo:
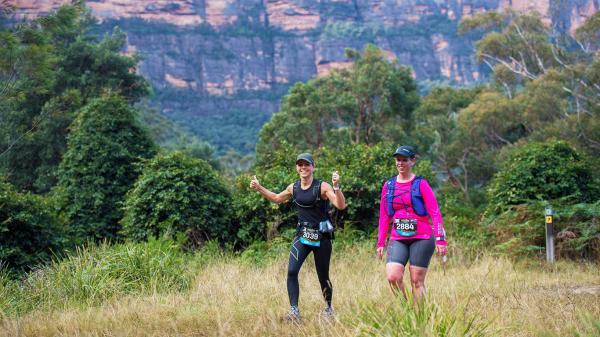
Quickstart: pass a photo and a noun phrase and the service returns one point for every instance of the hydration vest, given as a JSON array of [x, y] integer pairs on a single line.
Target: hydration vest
[[316, 192], [416, 198], [314, 207]]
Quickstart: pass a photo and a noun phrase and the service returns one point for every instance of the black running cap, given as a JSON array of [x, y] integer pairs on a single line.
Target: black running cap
[[405, 151], [306, 157]]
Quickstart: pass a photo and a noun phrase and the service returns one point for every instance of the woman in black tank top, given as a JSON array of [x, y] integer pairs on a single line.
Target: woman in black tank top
[[311, 208], [312, 198]]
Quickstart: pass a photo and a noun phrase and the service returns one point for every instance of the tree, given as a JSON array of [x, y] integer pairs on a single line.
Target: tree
[[522, 46], [437, 134], [178, 194], [382, 94], [100, 166], [371, 102], [309, 116], [49, 69]]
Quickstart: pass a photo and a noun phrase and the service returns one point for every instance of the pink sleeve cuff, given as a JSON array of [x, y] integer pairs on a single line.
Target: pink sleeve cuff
[[441, 242]]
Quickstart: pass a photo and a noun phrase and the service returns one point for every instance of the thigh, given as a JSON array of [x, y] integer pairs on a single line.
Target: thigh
[[298, 253], [421, 252], [323, 255], [397, 252]]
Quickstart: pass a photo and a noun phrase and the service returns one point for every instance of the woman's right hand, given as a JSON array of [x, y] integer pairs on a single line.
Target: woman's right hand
[[254, 184], [380, 252]]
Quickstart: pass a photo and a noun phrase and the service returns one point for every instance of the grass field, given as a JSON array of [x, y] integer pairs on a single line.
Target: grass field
[[479, 296]]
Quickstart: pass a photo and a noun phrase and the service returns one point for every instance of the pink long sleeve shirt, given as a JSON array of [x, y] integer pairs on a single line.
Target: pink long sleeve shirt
[[402, 207]]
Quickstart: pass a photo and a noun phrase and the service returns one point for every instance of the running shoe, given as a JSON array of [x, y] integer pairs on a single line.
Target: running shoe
[[328, 313], [293, 315]]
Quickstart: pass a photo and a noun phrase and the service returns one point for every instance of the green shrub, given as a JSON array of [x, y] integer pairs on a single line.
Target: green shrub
[[30, 229], [521, 230], [542, 171], [462, 219], [178, 194], [99, 166], [578, 231]]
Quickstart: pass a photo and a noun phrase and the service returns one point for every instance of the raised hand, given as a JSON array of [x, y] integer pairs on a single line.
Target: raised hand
[[335, 178], [254, 184]]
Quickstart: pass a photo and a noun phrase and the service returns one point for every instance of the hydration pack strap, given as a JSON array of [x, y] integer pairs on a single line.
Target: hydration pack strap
[[415, 195]]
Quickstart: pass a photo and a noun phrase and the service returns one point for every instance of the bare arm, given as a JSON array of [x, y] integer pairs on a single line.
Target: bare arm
[[334, 194], [278, 198]]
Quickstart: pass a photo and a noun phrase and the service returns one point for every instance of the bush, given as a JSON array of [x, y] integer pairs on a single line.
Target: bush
[[178, 194], [542, 171], [521, 230], [30, 228], [99, 166], [462, 219]]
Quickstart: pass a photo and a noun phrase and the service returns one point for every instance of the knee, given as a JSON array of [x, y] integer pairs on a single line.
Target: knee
[[394, 277], [292, 273], [416, 281]]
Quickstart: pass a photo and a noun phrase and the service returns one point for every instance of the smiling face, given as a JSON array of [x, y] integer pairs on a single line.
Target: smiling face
[[304, 168], [404, 164]]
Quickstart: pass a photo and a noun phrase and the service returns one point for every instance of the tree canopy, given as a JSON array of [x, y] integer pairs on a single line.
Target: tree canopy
[[49, 69]]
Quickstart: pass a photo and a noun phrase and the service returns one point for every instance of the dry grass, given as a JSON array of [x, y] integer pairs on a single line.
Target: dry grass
[[235, 299]]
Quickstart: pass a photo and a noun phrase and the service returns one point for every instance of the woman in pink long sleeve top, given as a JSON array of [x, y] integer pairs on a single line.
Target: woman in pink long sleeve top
[[413, 238]]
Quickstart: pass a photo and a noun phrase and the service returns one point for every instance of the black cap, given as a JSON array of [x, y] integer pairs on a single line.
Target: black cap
[[405, 151], [306, 157]]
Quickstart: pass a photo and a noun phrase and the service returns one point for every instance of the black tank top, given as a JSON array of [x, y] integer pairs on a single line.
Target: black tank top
[[305, 199]]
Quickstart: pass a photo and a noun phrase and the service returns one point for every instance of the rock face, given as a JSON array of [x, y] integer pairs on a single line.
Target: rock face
[[223, 61]]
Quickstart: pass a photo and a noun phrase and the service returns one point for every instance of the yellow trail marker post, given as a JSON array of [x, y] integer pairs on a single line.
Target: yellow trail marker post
[[549, 214]]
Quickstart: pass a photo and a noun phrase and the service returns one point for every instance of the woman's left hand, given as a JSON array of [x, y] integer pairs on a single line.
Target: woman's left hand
[[441, 250], [335, 179]]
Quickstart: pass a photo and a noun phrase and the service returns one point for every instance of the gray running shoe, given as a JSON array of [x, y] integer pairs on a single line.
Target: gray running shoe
[[328, 313], [293, 315]]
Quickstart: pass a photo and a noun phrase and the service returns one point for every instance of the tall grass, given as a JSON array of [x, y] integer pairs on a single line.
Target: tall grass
[[97, 273], [228, 295], [405, 317]]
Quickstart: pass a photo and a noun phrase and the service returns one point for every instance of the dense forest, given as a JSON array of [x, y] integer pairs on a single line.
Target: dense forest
[[84, 161]]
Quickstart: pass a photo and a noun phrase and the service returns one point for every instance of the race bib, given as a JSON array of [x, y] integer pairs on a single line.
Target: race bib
[[405, 227], [311, 237]]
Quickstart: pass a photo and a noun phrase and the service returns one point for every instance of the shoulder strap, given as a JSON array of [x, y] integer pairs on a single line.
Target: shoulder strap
[[415, 187], [317, 190], [295, 190], [416, 197], [389, 195]]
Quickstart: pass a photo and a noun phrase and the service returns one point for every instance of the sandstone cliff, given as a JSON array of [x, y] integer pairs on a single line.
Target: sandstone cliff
[[225, 64]]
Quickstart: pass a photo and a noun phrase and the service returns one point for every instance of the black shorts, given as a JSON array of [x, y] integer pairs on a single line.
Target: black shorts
[[418, 251]]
